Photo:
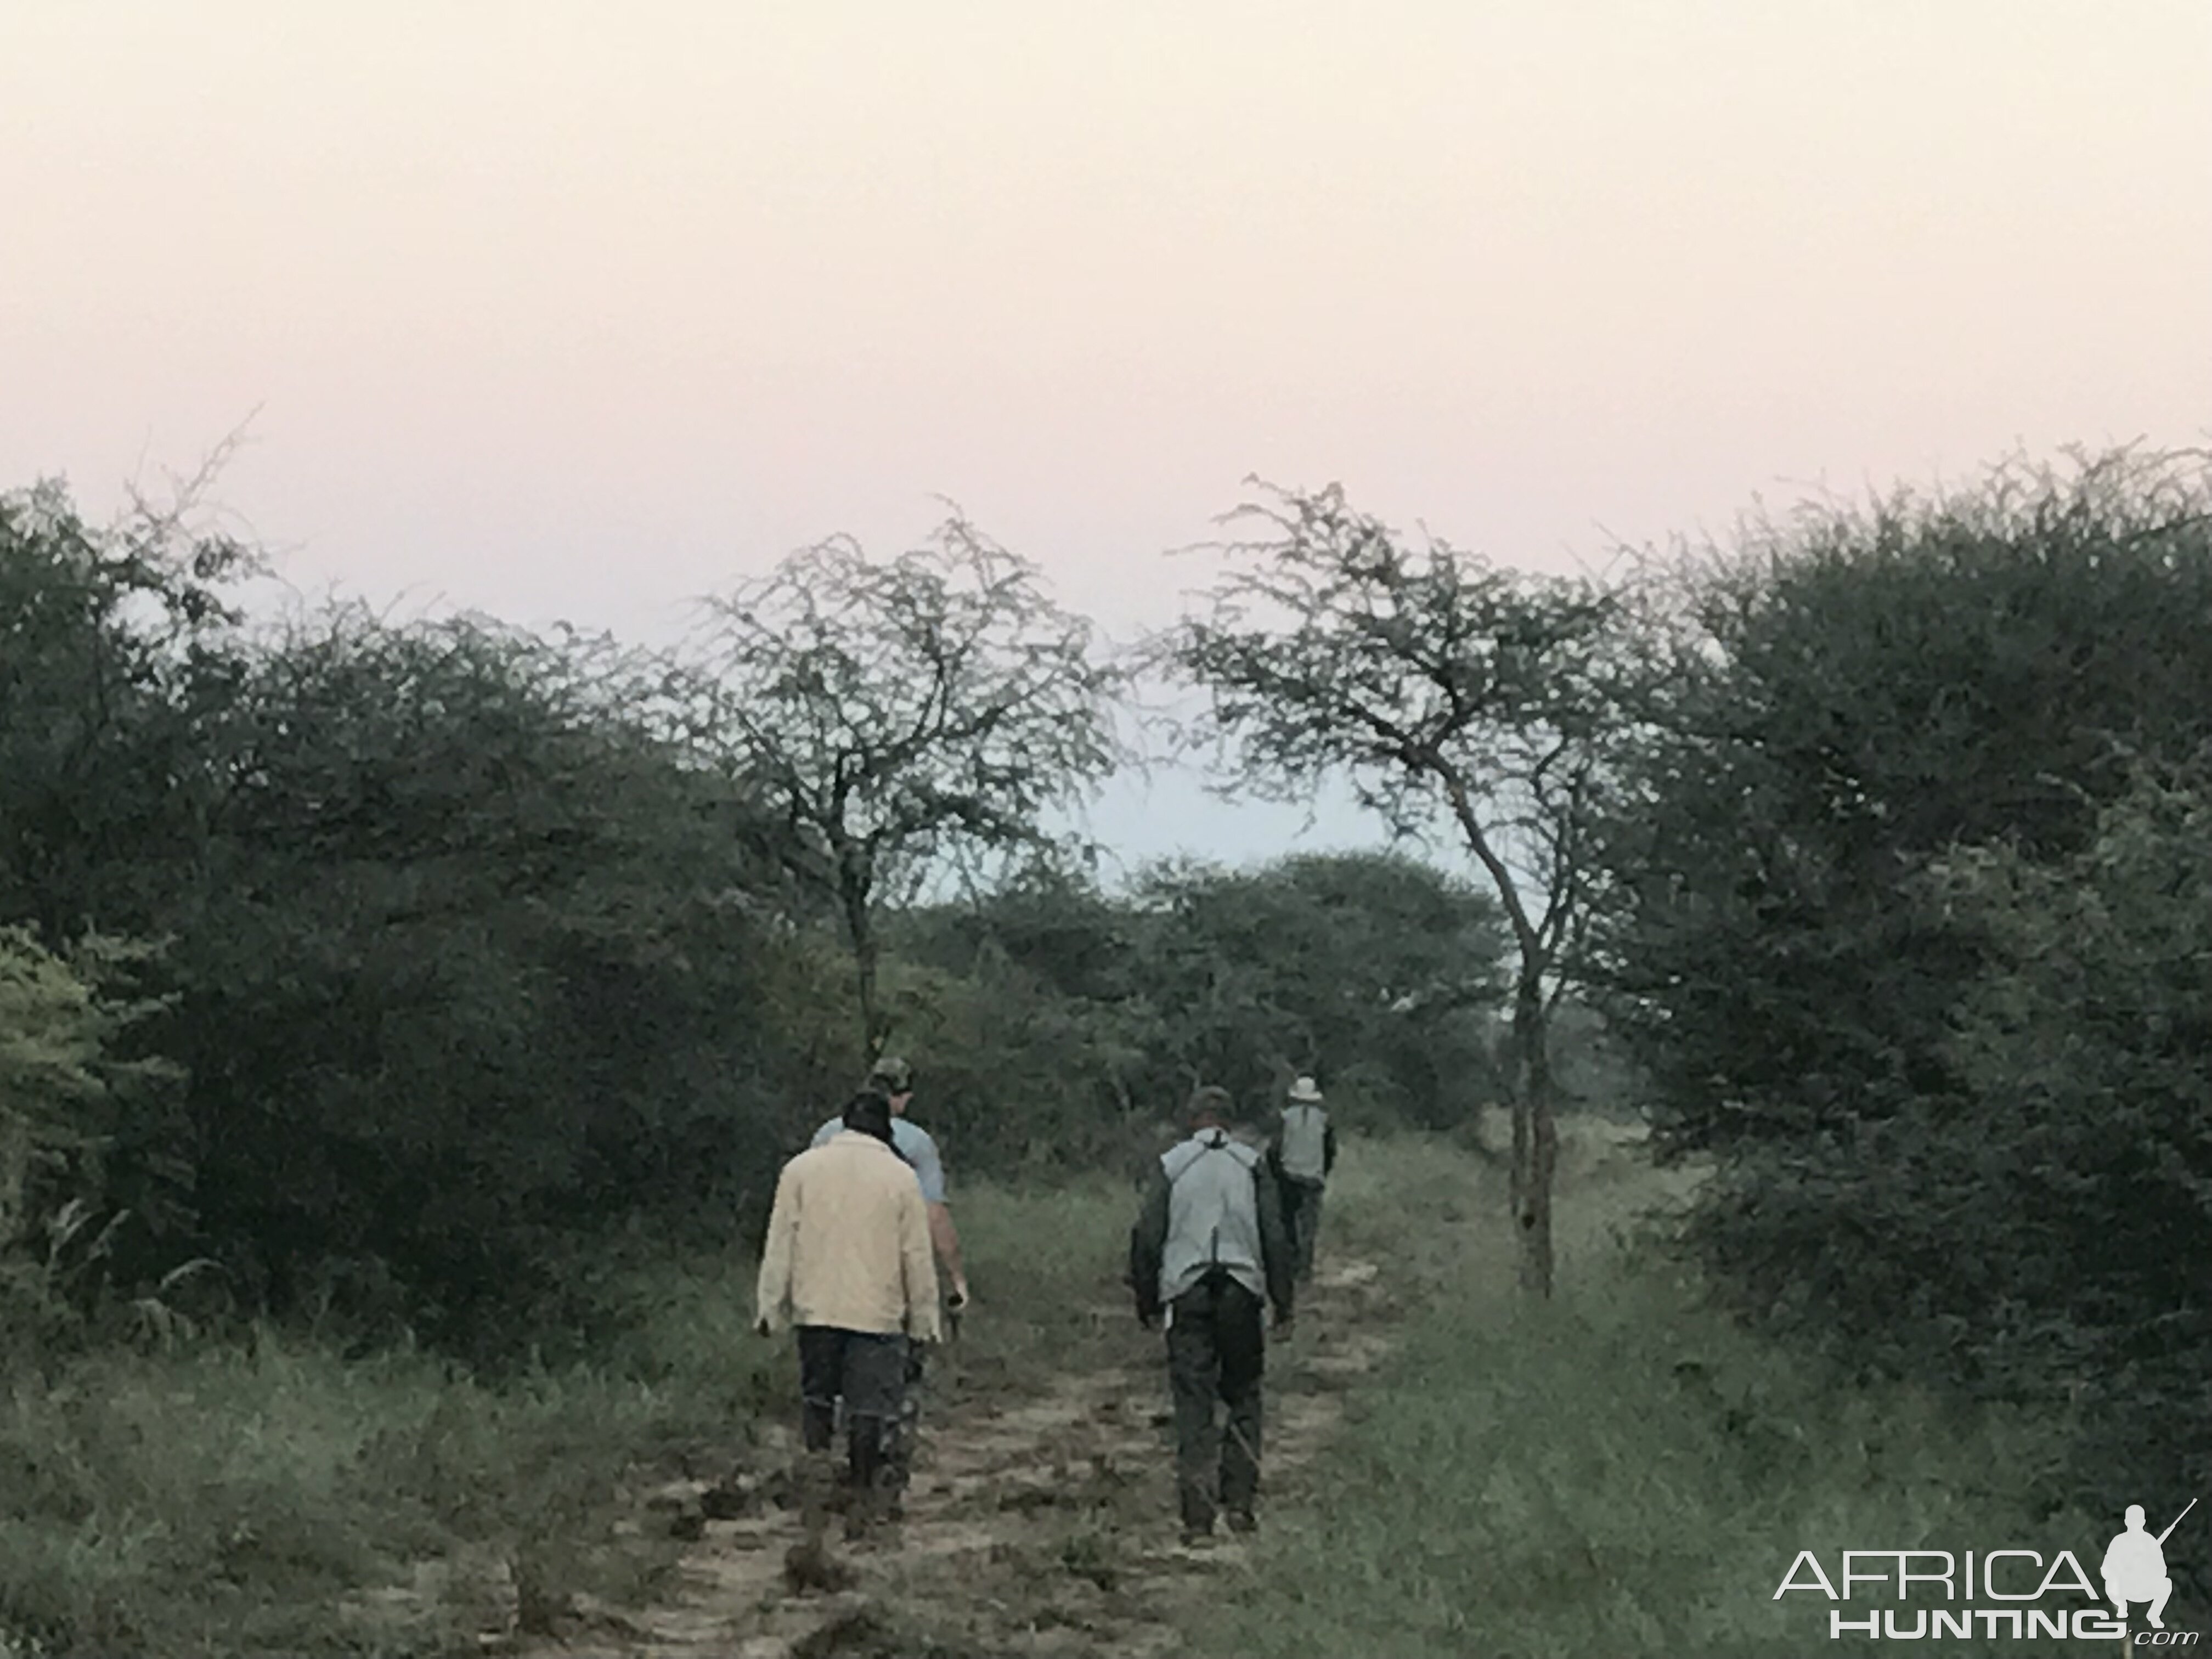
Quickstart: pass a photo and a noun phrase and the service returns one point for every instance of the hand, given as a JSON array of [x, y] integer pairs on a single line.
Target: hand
[[1282, 1323], [1151, 1322], [957, 1300], [763, 1327]]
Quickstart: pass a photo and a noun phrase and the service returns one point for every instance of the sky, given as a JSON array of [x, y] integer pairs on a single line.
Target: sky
[[569, 312]]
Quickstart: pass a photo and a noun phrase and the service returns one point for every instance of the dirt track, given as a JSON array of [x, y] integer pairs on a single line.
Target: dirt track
[[1039, 1523]]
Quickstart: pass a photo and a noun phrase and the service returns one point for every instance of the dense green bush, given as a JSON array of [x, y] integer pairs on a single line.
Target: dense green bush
[[2078, 1193], [1367, 964], [1857, 695], [2039, 1234], [1813, 964], [63, 1092], [463, 973], [1089, 1019], [460, 959]]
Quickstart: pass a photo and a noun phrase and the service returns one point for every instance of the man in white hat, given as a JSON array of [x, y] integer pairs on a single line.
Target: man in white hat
[[1302, 1154]]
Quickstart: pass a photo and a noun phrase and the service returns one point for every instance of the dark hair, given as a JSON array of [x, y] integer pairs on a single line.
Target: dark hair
[[870, 1112]]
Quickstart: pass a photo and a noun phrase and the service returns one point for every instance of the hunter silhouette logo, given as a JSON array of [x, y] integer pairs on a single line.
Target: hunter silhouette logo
[[2134, 1565], [2023, 1595]]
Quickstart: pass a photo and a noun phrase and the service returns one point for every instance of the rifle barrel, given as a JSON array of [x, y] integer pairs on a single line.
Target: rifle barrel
[[2176, 1521]]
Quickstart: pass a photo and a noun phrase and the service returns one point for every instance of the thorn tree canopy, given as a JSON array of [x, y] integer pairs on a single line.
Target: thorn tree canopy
[[1434, 682], [896, 713]]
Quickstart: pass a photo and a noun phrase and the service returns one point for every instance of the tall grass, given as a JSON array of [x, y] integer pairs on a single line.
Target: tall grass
[[1046, 1266], [1620, 1473], [251, 1499], [282, 1497]]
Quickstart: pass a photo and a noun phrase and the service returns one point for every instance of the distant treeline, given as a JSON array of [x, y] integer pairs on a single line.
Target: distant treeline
[[382, 970], [383, 967]]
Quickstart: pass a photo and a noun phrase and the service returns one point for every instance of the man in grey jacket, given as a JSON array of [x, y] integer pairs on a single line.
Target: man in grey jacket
[[1208, 1253]]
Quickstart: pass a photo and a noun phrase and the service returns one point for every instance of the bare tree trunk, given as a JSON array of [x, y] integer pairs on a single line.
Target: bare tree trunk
[[1535, 1133], [864, 981], [859, 927]]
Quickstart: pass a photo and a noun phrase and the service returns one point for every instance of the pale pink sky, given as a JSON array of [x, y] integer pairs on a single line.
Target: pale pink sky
[[575, 311]]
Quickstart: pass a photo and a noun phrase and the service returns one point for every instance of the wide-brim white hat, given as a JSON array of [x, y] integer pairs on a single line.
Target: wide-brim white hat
[[1305, 1091]]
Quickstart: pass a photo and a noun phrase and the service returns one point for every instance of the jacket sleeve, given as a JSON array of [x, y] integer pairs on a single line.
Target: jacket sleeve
[[1148, 1244], [918, 1266], [1274, 1242], [1328, 1151], [772, 1291]]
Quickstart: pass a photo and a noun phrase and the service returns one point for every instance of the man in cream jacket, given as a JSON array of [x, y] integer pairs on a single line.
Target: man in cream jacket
[[847, 1261]]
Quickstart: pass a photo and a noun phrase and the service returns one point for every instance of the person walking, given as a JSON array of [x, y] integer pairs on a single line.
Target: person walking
[[1207, 1255], [847, 1262], [893, 1079], [1303, 1154]]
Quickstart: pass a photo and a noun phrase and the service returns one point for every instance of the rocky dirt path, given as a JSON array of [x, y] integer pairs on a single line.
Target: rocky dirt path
[[1041, 1522]]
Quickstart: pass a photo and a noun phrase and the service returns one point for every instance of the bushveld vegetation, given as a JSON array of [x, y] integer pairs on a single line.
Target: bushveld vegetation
[[1907, 936], [1624, 1469], [402, 1021]]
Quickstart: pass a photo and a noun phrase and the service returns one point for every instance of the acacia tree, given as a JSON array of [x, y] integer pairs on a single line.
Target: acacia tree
[[893, 713], [1435, 684], [1368, 967]]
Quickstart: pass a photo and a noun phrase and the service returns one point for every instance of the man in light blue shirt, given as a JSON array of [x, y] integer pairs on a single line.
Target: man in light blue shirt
[[914, 1143], [894, 1079]]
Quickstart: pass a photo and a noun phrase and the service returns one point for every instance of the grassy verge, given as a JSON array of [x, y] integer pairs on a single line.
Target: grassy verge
[[257, 1500], [283, 1499], [1617, 1473], [1046, 1266], [1620, 1474]]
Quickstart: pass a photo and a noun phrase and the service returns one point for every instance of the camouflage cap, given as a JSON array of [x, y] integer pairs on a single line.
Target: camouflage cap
[[892, 1075]]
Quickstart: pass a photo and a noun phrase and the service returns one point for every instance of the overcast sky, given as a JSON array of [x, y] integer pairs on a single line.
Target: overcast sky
[[573, 311]]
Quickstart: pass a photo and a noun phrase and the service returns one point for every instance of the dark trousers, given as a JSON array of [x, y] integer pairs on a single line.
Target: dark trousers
[[1302, 1219], [1217, 1349], [865, 1370]]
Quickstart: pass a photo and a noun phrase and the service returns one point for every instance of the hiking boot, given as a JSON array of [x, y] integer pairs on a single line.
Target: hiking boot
[[874, 1515], [862, 1509], [1197, 1537], [732, 1499], [1242, 1521]]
